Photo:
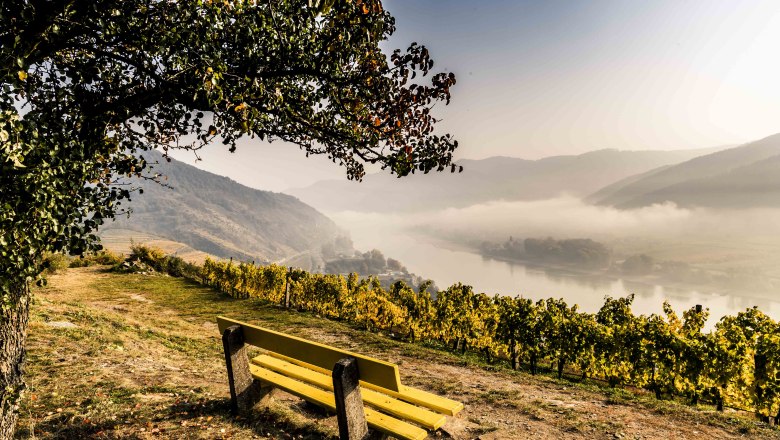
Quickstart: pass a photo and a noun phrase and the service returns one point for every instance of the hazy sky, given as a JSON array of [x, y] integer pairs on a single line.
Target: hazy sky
[[540, 78]]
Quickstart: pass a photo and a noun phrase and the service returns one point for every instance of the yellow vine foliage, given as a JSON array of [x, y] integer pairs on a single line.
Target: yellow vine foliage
[[737, 363]]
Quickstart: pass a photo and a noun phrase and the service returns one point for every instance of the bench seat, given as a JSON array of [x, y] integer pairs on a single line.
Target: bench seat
[[375, 419], [416, 396], [380, 401]]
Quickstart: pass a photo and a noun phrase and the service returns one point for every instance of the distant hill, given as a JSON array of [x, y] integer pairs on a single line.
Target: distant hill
[[614, 189], [741, 177], [495, 178], [214, 214]]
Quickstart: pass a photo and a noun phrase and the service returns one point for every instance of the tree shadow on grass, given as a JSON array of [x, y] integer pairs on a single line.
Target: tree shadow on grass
[[60, 427], [263, 420]]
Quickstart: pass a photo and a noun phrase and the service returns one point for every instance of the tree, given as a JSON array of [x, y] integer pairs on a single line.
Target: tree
[[87, 86]]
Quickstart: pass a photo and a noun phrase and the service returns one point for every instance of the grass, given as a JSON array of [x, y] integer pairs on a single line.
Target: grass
[[144, 360]]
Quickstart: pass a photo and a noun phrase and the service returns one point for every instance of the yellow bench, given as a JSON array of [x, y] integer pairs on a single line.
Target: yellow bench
[[338, 380]]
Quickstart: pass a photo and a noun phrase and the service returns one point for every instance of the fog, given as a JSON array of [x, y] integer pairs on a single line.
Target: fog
[[569, 217], [731, 254]]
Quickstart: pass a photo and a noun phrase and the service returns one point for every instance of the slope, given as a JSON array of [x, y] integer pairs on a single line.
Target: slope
[[139, 357], [216, 215], [669, 184], [613, 189], [751, 186]]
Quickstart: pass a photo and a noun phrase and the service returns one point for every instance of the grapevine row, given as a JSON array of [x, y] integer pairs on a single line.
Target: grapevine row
[[736, 363]]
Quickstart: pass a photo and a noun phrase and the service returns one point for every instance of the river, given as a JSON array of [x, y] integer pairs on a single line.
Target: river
[[446, 266]]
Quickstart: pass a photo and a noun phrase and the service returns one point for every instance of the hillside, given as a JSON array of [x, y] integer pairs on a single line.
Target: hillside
[[216, 215], [613, 189], [495, 178], [751, 186], [740, 177], [133, 356]]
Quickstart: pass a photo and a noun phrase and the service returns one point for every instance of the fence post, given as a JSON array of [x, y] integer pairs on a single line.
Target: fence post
[[287, 288], [349, 402]]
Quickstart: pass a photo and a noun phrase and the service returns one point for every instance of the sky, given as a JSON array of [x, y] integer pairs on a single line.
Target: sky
[[543, 78]]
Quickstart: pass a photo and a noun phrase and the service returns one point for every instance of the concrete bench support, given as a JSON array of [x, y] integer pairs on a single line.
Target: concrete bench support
[[245, 391], [349, 402]]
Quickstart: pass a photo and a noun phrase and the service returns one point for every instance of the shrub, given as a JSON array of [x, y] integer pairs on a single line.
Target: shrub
[[102, 258], [177, 267], [152, 256], [107, 258], [55, 262], [81, 261], [144, 258]]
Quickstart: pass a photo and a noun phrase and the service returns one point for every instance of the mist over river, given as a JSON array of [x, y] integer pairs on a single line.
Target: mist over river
[[447, 265]]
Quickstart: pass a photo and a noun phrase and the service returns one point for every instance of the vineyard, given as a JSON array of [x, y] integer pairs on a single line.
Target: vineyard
[[736, 364]]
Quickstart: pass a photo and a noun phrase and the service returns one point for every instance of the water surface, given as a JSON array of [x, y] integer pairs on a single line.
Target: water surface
[[446, 266]]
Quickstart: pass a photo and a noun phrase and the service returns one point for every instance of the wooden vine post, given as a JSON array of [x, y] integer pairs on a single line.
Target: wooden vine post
[[287, 288]]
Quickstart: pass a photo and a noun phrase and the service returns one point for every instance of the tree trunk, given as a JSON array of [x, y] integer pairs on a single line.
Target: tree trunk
[[533, 364], [13, 333], [561, 364]]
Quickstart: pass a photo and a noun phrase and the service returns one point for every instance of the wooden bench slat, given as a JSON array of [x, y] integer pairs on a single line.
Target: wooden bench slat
[[383, 402], [412, 395], [374, 371], [375, 419]]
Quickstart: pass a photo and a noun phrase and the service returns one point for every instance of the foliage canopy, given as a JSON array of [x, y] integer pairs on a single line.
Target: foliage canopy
[[86, 85]]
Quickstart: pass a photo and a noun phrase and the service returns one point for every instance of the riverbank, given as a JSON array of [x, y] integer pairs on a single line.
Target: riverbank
[[648, 281]]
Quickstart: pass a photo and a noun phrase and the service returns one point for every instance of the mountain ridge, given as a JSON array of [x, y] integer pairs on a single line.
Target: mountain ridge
[[489, 179], [711, 180]]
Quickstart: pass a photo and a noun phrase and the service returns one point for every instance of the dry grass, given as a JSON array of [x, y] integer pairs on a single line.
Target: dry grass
[[133, 356]]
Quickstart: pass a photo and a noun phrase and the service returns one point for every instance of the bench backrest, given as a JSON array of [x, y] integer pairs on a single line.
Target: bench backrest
[[380, 373]]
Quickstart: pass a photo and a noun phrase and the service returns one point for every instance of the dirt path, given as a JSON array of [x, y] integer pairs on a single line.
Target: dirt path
[[130, 356]]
